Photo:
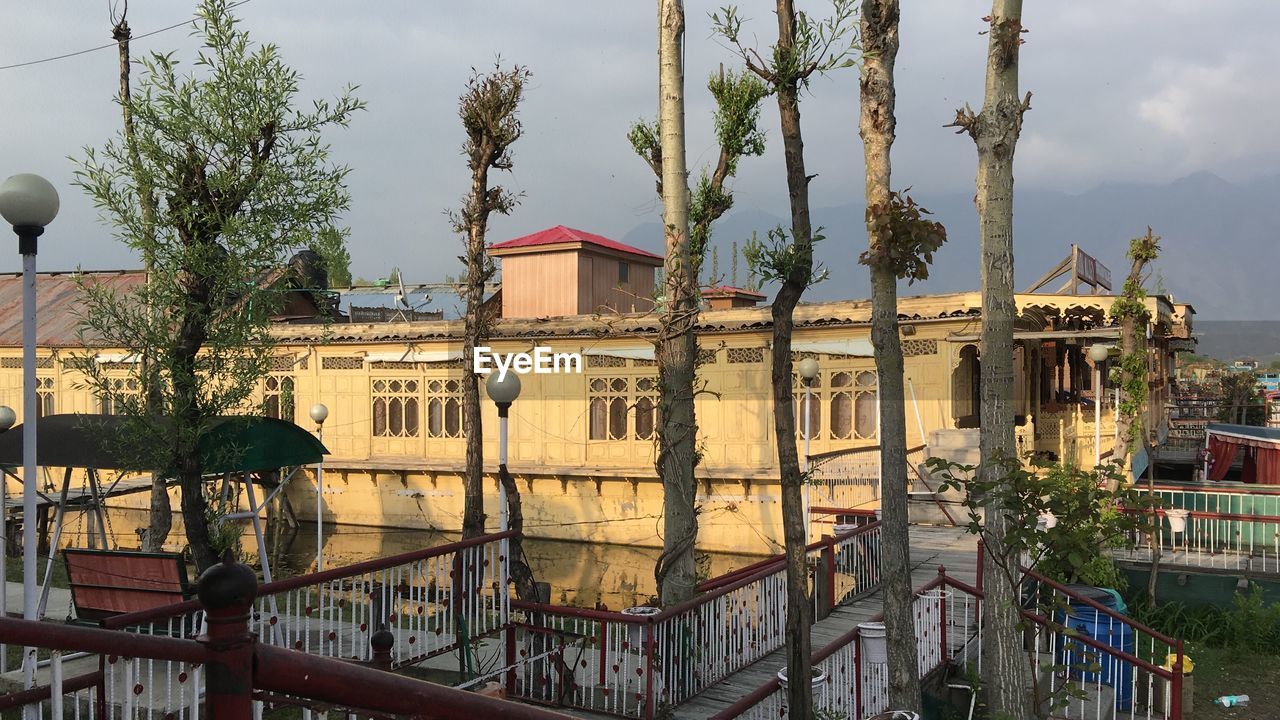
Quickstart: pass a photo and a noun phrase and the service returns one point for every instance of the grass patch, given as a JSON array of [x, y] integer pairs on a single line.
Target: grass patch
[[13, 567], [1231, 672]]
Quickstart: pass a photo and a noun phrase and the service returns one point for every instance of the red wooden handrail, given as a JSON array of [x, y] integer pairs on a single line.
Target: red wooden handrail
[[44, 692], [70, 638], [755, 697], [333, 681], [1268, 491], [857, 451], [1207, 515], [287, 584], [1076, 598], [773, 560]]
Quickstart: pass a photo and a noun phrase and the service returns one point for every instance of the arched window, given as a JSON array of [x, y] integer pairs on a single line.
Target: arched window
[[966, 388]]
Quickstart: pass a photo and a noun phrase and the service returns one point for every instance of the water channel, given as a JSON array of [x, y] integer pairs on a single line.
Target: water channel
[[580, 574]]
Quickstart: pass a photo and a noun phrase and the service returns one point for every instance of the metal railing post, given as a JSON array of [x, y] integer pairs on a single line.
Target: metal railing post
[[1175, 688], [982, 559], [649, 642], [942, 611], [380, 644], [227, 591]]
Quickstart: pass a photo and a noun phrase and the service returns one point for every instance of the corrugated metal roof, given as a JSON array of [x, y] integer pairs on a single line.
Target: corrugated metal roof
[[824, 314], [561, 234], [58, 307]]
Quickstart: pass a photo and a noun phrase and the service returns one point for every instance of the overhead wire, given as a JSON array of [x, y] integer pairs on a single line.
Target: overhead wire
[[86, 51]]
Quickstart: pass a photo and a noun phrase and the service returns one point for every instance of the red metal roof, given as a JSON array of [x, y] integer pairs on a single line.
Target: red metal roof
[[58, 310], [561, 234], [729, 290]]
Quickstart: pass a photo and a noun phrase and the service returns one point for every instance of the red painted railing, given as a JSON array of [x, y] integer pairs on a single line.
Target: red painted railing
[[431, 600], [631, 665], [947, 623], [227, 668]]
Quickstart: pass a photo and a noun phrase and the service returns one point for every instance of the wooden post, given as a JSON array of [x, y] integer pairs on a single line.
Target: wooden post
[[227, 591]]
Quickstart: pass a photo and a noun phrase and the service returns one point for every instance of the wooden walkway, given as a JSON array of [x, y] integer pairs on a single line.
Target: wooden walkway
[[950, 547]]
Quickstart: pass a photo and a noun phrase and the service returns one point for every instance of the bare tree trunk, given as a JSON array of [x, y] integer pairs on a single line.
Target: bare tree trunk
[[995, 131], [473, 515], [799, 613], [160, 518], [489, 112], [521, 574], [677, 349], [877, 122]]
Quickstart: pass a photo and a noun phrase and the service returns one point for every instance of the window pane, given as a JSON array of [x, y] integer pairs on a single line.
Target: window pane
[[271, 408], [618, 419], [867, 379], [411, 417], [435, 417], [815, 415], [644, 418], [865, 407], [379, 417], [395, 412], [842, 379], [452, 418], [597, 429], [841, 416], [618, 385]]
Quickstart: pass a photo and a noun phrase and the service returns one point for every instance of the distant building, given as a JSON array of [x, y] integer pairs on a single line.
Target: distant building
[[583, 445]]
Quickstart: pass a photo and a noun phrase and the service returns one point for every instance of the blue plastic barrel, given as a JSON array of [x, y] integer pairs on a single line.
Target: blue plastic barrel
[[1092, 623]]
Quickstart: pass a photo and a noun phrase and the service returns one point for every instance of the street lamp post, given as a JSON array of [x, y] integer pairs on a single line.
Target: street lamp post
[[1098, 354], [7, 419], [29, 203], [319, 413], [502, 392], [808, 372]]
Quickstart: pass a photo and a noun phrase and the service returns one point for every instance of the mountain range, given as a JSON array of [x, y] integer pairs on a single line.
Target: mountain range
[[1220, 248]]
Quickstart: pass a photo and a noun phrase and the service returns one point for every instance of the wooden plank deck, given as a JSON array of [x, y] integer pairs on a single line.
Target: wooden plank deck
[[950, 547]]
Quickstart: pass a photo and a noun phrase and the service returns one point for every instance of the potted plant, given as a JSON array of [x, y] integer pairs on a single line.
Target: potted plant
[[817, 680]]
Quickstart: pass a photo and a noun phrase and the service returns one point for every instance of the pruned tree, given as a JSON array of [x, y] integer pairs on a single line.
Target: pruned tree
[[901, 243], [490, 112], [995, 131], [661, 145], [160, 517], [805, 47], [240, 178]]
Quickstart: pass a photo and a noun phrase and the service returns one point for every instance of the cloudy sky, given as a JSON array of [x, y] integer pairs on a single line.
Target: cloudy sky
[[1141, 90]]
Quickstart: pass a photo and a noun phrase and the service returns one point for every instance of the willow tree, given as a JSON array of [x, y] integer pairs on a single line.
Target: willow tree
[[688, 232], [489, 109], [805, 47], [901, 242], [240, 179], [995, 131]]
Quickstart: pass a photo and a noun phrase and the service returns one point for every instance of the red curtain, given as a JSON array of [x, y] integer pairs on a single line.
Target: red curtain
[[1249, 470], [1223, 454], [1268, 466]]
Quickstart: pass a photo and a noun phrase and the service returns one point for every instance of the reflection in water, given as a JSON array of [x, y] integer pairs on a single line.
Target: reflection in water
[[580, 574]]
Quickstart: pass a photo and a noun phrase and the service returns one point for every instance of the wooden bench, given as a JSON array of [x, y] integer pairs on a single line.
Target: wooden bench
[[105, 583]]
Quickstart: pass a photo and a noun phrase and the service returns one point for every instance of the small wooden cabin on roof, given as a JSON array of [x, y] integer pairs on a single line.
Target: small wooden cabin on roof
[[561, 271]]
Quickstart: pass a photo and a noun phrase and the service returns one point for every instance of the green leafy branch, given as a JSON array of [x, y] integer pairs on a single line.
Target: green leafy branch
[[903, 239]]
